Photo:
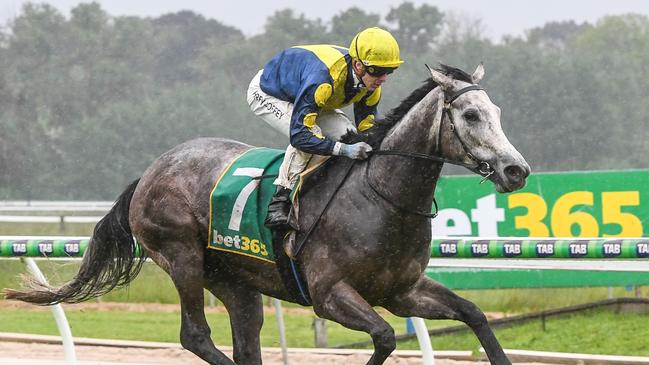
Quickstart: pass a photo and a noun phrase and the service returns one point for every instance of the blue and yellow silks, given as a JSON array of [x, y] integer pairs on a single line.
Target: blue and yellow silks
[[317, 78]]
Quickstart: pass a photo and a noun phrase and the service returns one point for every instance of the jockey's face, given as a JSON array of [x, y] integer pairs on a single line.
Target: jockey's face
[[371, 81]]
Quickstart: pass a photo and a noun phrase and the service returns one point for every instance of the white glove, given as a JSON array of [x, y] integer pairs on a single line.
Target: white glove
[[356, 151]]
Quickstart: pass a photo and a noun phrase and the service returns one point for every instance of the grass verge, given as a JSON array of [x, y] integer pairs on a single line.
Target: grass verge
[[599, 331], [154, 286], [163, 326]]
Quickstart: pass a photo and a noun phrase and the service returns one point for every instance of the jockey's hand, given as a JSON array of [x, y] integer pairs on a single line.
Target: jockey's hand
[[356, 151]]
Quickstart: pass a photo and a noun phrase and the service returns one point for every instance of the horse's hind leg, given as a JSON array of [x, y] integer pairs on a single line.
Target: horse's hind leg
[[342, 304], [184, 263], [245, 308], [430, 300]]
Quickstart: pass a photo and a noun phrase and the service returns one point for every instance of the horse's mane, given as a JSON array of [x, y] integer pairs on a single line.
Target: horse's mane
[[375, 135]]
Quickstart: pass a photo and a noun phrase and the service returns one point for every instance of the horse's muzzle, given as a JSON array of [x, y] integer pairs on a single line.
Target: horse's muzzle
[[516, 176]]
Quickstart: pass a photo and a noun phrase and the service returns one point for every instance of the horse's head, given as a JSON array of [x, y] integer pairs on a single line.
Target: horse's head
[[470, 131]]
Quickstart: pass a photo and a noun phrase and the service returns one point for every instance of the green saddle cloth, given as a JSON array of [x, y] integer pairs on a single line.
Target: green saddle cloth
[[239, 204]]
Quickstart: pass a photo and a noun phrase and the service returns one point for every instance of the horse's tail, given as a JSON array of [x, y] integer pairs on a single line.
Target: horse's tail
[[111, 260]]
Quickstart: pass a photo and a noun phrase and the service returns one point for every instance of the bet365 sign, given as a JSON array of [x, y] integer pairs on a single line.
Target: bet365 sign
[[570, 204]]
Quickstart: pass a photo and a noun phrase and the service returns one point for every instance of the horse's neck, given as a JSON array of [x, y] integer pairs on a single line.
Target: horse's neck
[[412, 180], [418, 129]]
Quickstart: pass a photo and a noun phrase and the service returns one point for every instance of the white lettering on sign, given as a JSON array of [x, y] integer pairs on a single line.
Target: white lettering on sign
[[612, 249], [45, 247], [448, 248], [451, 222], [455, 222], [480, 248], [19, 247], [512, 249], [545, 249], [578, 249], [487, 215], [72, 248], [643, 249]]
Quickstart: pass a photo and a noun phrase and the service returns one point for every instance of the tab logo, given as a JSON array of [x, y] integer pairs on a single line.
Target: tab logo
[[545, 249], [72, 247], [448, 248], [612, 248], [46, 247], [642, 249], [512, 249], [578, 249], [480, 248], [19, 248]]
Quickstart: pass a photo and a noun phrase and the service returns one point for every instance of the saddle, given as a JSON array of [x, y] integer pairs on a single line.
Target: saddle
[[290, 241], [239, 204]]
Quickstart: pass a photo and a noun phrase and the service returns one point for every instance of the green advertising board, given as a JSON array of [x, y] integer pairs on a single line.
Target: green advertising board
[[565, 204], [474, 278], [608, 204]]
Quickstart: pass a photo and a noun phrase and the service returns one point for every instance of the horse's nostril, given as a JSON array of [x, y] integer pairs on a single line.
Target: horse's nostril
[[515, 172]]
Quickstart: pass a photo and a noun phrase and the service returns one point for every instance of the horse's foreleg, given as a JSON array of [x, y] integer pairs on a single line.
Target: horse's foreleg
[[246, 312], [186, 271], [430, 300], [344, 305]]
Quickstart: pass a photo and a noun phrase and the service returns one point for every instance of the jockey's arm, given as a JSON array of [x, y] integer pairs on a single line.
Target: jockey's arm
[[304, 133], [307, 137], [366, 110]]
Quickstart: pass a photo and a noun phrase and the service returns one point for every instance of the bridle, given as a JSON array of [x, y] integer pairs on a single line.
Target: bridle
[[481, 167]]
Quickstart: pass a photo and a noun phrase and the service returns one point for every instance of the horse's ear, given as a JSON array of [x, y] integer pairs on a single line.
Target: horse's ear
[[478, 74], [442, 80]]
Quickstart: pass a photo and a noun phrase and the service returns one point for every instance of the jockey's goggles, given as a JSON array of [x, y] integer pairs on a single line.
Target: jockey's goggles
[[377, 71]]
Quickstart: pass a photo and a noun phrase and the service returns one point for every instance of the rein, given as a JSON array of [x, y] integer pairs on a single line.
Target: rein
[[423, 156], [482, 167]]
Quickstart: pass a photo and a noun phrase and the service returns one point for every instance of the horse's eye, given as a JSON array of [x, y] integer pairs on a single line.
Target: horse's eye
[[471, 116]]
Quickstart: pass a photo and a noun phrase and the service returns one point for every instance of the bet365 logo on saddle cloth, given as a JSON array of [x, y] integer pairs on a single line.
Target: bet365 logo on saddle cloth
[[239, 203]]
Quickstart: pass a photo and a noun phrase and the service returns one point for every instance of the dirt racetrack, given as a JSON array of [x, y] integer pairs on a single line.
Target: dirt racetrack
[[20, 350], [15, 353]]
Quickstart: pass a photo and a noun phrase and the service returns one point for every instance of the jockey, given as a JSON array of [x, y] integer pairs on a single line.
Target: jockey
[[299, 93]]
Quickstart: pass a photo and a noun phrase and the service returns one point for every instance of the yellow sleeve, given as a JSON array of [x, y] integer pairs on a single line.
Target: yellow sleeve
[[366, 123], [322, 94], [374, 98]]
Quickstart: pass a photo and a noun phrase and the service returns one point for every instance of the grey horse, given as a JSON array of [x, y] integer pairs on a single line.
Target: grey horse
[[368, 248]]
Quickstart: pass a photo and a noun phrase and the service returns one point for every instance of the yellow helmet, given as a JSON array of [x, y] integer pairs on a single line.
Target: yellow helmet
[[375, 47]]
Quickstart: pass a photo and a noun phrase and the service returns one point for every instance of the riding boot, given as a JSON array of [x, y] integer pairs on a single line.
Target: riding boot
[[279, 209]]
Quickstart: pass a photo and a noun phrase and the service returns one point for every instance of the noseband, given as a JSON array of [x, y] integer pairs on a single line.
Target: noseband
[[479, 166], [482, 167]]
